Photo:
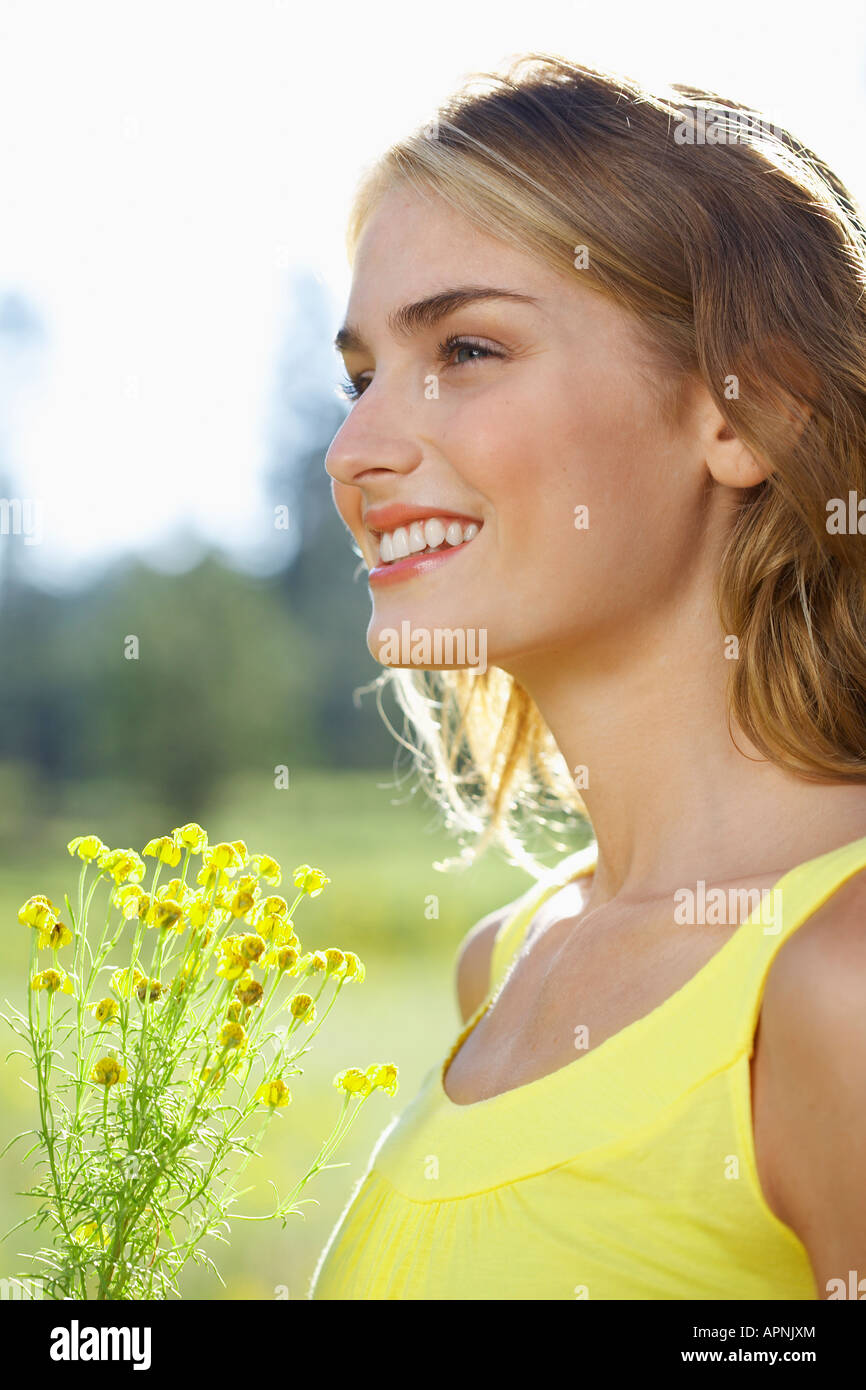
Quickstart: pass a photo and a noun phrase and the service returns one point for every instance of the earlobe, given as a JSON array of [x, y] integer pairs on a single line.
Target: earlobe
[[731, 463], [775, 373], [789, 389]]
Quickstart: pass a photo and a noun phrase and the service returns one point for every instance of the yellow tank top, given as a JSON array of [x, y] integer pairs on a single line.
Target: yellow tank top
[[627, 1174]]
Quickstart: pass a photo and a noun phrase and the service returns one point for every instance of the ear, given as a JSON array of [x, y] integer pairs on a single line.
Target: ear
[[789, 390], [728, 460]]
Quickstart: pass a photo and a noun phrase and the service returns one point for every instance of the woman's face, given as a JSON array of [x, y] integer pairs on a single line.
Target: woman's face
[[529, 418]]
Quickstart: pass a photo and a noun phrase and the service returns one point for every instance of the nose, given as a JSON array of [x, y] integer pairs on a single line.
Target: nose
[[373, 442]]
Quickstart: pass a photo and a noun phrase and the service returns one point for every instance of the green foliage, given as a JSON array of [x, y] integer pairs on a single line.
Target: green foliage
[[230, 671]]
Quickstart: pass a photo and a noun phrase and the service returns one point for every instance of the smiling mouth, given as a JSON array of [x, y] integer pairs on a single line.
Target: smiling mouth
[[424, 538]]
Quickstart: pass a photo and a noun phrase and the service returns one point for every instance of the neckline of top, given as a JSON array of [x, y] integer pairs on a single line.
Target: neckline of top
[[609, 1045]]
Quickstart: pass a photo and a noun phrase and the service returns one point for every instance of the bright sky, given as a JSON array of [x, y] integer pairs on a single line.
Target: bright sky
[[167, 164]]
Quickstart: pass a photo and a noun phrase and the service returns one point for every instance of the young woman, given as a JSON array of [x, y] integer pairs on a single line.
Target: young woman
[[609, 354]]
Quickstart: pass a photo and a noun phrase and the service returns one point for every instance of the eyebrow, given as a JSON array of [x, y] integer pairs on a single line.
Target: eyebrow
[[425, 313]]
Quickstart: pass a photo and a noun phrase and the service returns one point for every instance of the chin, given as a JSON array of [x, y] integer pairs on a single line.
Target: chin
[[409, 637]]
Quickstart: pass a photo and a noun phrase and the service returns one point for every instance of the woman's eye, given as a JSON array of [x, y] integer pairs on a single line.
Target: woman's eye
[[455, 346], [352, 388]]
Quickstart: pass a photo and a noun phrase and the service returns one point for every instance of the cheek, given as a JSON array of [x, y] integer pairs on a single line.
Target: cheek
[[347, 501], [584, 483]]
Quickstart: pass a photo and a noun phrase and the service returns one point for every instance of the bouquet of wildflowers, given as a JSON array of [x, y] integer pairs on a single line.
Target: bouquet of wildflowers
[[164, 1052]]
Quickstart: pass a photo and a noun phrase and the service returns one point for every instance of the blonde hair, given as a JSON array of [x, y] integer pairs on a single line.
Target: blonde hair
[[741, 256]]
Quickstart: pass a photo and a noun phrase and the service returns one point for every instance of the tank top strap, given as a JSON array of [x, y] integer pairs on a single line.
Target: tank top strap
[[797, 896], [514, 927], [712, 1018]]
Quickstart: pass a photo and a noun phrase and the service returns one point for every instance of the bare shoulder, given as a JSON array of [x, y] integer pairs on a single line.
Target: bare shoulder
[[812, 1056], [822, 967], [473, 959]]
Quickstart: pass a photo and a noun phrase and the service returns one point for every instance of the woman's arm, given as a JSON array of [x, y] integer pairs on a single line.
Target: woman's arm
[[810, 1087]]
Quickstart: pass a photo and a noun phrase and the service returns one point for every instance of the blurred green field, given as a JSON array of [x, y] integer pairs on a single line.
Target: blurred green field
[[379, 844]]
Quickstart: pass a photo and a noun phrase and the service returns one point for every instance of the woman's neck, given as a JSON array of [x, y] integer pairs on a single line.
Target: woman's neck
[[672, 795]]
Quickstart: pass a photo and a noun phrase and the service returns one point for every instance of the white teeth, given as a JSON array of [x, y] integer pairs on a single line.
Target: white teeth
[[401, 543], [424, 535], [434, 532]]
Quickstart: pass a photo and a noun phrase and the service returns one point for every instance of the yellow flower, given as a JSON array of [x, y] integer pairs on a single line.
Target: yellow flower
[[241, 903], [211, 875], [37, 912], [123, 982], [164, 848], [122, 864], [274, 1093], [166, 914], [132, 900], [354, 1082], [87, 847], [191, 836], [232, 1035], [274, 919], [233, 1012], [152, 988], [303, 1008], [58, 935], [198, 909], [354, 968], [309, 880], [52, 981], [251, 946], [314, 961], [108, 1071], [89, 1231], [224, 856], [243, 853], [105, 1011], [248, 991], [285, 958], [336, 961], [233, 963], [267, 868], [224, 891], [383, 1077], [174, 889]]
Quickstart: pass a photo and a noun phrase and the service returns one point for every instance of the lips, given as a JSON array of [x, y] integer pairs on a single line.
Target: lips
[[381, 519], [412, 541]]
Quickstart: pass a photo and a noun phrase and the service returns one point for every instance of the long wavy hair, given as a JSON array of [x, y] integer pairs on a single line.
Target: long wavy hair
[[742, 257]]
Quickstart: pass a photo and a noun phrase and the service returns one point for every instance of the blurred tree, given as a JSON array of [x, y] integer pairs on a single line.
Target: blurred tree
[[223, 681], [232, 671]]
